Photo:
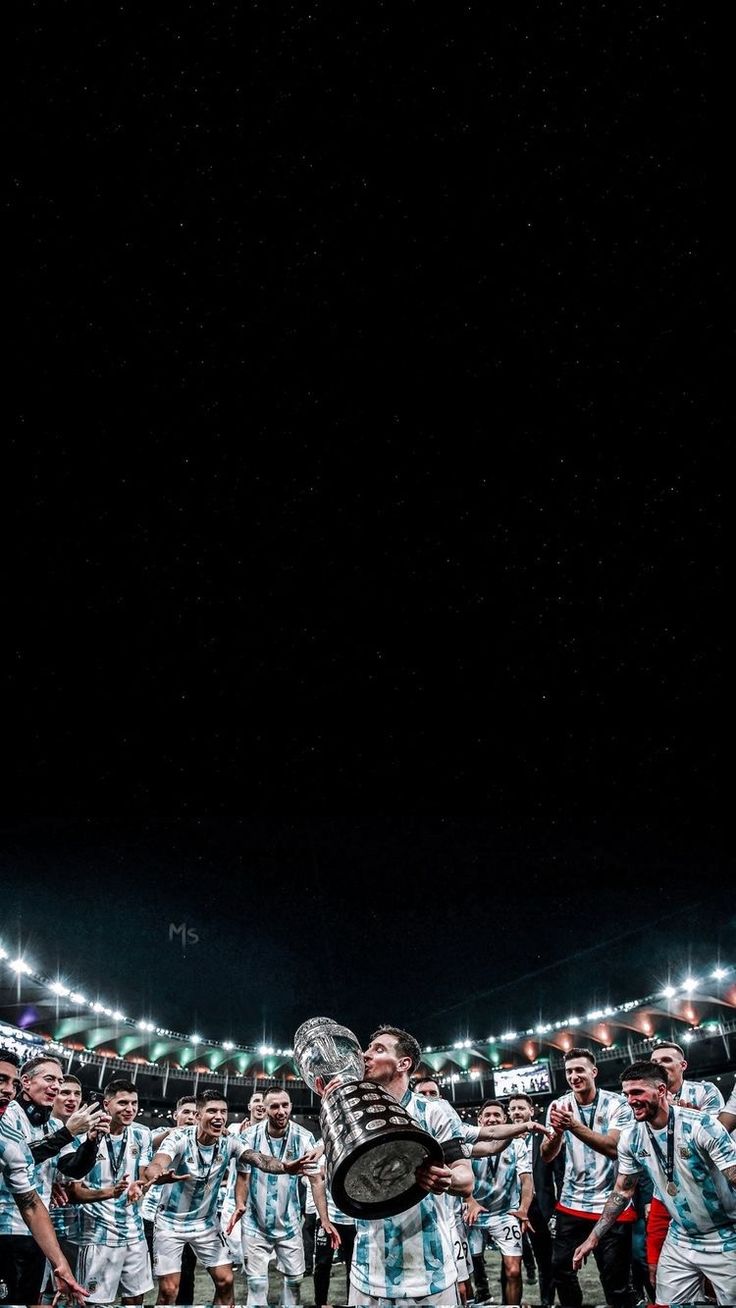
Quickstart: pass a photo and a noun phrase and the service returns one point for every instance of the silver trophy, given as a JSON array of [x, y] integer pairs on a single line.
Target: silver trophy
[[372, 1146]]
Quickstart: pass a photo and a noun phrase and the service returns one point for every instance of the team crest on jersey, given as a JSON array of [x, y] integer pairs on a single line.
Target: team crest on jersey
[[683, 1151], [136, 1149]]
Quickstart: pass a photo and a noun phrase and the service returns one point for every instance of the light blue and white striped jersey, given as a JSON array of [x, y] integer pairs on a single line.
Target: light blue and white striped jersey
[[497, 1184], [17, 1168], [273, 1206], [115, 1222], [700, 1094], [335, 1214], [16, 1124], [703, 1149], [66, 1220], [589, 1176], [154, 1197], [411, 1255], [189, 1207]]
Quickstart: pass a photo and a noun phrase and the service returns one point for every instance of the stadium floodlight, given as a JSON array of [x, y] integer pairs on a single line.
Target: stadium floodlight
[[18, 965], [719, 973], [77, 998], [669, 992], [428, 1049], [475, 1073], [118, 1016], [3, 952], [196, 1039], [228, 1044], [97, 1007], [688, 1036], [509, 1035], [690, 984], [58, 988]]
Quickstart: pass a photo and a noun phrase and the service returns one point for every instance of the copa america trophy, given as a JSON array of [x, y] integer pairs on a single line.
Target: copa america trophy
[[372, 1146]]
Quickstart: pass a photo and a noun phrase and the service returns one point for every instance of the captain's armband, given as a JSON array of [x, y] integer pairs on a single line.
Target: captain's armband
[[455, 1149]]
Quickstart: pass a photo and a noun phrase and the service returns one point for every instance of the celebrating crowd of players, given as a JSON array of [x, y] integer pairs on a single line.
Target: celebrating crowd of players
[[95, 1205]]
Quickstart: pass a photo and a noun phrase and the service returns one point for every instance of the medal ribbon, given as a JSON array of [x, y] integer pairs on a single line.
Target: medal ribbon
[[284, 1139], [593, 1107], [202, 1176], [116, 1163], [668, 1166]]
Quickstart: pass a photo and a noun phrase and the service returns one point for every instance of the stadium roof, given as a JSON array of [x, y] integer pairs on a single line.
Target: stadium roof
[[35, 1007]]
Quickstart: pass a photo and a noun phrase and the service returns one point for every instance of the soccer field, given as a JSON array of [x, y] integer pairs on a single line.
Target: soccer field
[[592, 1294]]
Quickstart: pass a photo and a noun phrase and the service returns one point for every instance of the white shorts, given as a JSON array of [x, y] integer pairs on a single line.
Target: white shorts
[[681, 1269], [461, 1247], [112, 1274], [209, 1249], [502, 1232], [235, 1241], [289, 1254]]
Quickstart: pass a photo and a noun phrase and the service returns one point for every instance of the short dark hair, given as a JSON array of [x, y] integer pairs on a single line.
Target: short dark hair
[[119, 1086], [581, 1053], [74, 1079], [493, 1103], [210, 1097], [185, 1099], [276, 1090], [644, 1071], [406, 1045], [528, 1099], [9, 1056], [669, 1044], [30, 1065], [422, 1080]]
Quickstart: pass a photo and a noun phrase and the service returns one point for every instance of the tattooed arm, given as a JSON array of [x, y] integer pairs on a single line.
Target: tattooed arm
[[267, 1163], [615, 1204], [730, 1175]]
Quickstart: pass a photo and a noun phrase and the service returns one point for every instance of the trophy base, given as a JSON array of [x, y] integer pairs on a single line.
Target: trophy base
[[373, 1150]]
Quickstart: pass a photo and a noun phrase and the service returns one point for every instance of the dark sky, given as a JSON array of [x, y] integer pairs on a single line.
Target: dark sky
[[365, 462], [452, 927]]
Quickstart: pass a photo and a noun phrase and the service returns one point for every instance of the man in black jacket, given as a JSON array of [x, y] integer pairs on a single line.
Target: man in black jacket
[[28, 1116], [547, 1179]]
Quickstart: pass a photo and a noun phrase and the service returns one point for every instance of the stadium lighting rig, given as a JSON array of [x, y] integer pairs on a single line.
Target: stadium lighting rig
[[688, 986]]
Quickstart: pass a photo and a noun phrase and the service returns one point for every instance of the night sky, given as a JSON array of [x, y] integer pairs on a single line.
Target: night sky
[[452, 927], [365, 462]]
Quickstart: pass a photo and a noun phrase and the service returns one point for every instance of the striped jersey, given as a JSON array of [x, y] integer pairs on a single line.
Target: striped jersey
[[704, 1202], [334, 1213], [189, 1207], [589, 1177], [411, 1255], [66, 1219], [497, 1184], [272, 1208], [154, 1197], [700, 1094], [15, 1124], [730, 1104], [115, 1222], [17, 1168]]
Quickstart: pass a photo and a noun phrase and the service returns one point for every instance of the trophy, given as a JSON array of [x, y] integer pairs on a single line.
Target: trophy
[[372, 1146]]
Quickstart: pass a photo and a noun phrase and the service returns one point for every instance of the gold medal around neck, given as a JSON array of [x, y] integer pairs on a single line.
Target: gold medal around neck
[[671, 1188]]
